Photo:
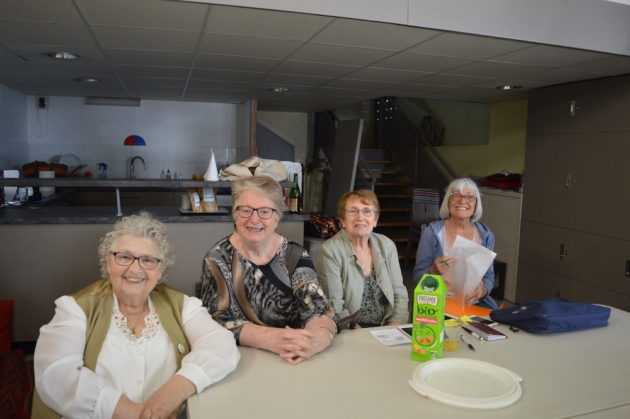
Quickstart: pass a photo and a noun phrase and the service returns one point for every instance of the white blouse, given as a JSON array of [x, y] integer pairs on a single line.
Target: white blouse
[[129, 365]]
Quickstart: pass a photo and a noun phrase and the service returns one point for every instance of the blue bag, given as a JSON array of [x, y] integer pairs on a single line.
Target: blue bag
[[553, 315]]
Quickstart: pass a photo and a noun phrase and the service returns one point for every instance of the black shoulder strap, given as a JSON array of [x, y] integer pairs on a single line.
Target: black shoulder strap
[[294, 254]]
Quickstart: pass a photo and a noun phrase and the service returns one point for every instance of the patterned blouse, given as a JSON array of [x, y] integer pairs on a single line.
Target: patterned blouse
[[277, 298], [373, 303]]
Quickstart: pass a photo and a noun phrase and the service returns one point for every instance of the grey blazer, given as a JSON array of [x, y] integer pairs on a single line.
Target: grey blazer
[[342, 280]]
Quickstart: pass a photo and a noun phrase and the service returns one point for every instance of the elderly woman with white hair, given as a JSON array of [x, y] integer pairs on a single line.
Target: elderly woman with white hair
[[128, 346], [460, 213]]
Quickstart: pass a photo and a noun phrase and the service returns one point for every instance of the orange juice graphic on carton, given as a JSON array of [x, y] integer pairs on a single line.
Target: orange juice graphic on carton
[[429, 302]]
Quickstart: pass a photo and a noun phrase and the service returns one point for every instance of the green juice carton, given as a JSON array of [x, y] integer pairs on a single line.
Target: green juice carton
[[429, 303]]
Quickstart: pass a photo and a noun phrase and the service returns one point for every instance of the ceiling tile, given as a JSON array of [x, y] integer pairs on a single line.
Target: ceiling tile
[[314, 69], [132, 82], [149, 58], [280, 79], [61, 11], [422, 62], [247, 46], [141, 71], [45, 33], [233, 62], [264, 23], [75, 69], [451, 80], [356, 84], [551, 56], [144, 14], [156, 92], [467, 46], [387, 75], [492, 69], [227, 75], [360, 33], [150, 39], [220, 85], [335, 54]]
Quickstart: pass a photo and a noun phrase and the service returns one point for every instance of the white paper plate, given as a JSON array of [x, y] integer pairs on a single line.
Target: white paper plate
[[467, 383]]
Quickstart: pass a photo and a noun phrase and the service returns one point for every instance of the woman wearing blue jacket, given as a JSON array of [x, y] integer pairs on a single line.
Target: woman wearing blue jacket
[[460, 212]]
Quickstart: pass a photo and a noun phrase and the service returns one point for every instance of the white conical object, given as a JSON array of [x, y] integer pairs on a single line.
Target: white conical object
[[212, 174]]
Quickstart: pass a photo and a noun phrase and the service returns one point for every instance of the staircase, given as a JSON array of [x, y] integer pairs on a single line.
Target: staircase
[[394, 192]]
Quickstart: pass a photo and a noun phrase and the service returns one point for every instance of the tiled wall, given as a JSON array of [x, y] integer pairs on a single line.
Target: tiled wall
[[180, 136]]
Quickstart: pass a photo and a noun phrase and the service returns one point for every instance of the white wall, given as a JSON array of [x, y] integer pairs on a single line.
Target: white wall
[[12, 126], [179, 135]]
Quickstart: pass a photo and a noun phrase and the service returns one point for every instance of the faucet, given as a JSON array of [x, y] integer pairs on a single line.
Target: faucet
[[132, 174]]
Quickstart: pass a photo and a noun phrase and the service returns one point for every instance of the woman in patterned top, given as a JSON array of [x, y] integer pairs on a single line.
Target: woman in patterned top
[[260, 285], [359, 269]]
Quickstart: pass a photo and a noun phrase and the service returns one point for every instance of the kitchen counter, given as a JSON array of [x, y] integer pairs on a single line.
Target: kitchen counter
[[107, 215]]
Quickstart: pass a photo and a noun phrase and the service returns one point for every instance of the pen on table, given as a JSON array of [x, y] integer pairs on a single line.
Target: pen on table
[[472, 333], [461, 337]]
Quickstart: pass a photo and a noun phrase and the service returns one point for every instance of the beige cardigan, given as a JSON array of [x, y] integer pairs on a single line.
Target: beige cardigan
[[342, 280]]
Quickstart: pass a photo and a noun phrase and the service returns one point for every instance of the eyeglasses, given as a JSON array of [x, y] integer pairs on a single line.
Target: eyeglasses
[[468, 197], [367, 212], [263, 212], [126, 259]]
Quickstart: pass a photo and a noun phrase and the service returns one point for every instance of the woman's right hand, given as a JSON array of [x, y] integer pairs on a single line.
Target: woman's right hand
[[442, 264], [293, 345]]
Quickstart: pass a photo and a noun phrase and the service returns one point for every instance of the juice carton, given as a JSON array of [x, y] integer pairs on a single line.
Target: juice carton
[[429, 302]]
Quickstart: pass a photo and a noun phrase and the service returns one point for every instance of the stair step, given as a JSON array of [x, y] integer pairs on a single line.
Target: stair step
[[393, 196], [392, 184], [395, 209], [379, 161], [395, 224], [384, 171], [399, 239]]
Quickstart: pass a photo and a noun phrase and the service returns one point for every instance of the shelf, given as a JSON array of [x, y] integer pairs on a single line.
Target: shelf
[[119, 183]]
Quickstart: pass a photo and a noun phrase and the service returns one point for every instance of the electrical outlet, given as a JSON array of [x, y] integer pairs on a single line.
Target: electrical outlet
[[42, 102]]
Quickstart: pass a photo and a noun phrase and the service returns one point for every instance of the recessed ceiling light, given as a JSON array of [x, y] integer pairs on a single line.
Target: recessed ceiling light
[[509, 87], [279, 89], [86, 80], [61, 55]]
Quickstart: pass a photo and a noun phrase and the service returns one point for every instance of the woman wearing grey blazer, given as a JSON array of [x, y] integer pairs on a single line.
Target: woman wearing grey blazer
[[359, 269]]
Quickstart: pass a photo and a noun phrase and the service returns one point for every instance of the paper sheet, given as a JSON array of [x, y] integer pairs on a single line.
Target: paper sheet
[[391, 337], [472, 262]]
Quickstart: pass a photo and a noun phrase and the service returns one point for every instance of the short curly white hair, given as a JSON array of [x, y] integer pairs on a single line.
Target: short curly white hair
[[139, 225]]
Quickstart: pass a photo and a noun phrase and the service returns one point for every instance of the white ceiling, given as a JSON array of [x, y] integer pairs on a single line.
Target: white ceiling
[[156, 49]]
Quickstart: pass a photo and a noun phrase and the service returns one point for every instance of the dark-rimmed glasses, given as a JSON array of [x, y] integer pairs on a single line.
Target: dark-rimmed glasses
[[468, 197], [126, 259], [263, 212]]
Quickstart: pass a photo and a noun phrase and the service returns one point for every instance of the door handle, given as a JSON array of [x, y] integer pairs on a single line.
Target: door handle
[[568, 180], [563, 251]]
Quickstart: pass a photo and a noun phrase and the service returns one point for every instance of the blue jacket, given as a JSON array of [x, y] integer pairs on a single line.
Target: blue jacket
[[431, 246]]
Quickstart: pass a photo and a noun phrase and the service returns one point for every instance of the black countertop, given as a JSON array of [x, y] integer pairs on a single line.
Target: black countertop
[[107, 215]]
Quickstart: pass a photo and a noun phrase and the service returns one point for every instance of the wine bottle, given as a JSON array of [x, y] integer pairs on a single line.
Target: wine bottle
[[294, 196]]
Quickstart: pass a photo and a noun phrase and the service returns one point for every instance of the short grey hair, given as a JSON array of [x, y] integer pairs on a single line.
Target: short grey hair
[[459, 185], [262, 185], [142, 225]]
